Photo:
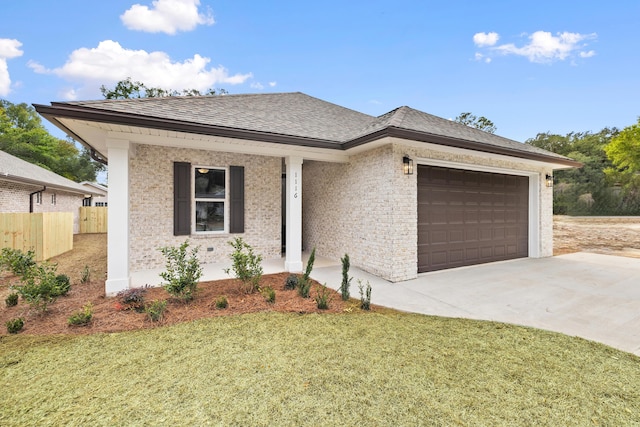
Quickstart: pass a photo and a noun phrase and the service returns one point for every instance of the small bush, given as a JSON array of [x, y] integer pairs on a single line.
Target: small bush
[[183, 273], [304, 287], [309, 267], [40, 286], [247, 266], [292, 282], [132, 299], [16, 261], [85, 275], [222, 303], [155, 310], [81, 317], [62, 285], [11, 300], [346, 280], [15, 325], [365, 295], [323, 298], [269, 294]]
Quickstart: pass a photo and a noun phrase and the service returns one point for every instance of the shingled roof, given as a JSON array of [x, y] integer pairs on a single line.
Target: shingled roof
[[17, 170], [291, 118]]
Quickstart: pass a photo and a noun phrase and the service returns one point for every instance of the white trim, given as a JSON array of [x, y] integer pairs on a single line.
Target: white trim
[[293, 257], [194, 200], [534, 194]]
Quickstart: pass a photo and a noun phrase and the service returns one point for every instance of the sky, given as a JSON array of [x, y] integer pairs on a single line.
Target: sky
[[555, 66]]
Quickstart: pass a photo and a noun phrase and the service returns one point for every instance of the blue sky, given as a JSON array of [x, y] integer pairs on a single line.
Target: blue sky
[[530, 67]]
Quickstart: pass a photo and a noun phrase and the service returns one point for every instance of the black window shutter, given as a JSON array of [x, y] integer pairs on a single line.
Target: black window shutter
[[181, 198], [236, 197]]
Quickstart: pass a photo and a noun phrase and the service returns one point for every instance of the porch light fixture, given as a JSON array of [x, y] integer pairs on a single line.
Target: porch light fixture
[[408, 165], [549, 180], [203, 170]]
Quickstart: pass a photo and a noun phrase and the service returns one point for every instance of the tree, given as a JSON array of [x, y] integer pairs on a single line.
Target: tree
[[624, 149], [23, 135], [473, 121], [127, 88]]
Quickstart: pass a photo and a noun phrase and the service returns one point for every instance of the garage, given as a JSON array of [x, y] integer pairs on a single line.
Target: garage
[[470, 217]]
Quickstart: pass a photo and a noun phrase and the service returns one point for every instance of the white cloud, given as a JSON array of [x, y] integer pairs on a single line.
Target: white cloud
[[273, 84], [257, 85], [544, 47], [166, 16], [9, 48], [109, 63], [485, 39], [588, 54]]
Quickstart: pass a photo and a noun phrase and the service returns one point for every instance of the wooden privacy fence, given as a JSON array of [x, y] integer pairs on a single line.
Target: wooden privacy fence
[[47, 234], [93, 219]]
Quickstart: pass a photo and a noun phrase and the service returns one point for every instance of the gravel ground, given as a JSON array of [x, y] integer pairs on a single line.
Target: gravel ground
[[604, 235]]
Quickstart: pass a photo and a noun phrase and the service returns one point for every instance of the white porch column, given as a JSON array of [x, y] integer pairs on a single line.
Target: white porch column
[[118, 223], [293, 260]]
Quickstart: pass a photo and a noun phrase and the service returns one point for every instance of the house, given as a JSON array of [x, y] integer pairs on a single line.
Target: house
[[25, 187], [101, 200], [402, 193]]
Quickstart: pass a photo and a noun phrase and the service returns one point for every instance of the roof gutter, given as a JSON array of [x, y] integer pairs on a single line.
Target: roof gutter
[[31, 198], [20, 180]]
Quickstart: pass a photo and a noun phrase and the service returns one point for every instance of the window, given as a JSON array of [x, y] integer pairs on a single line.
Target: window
[[210, 199], [53, 199], [86, 201], [101, 204], [39, 198]]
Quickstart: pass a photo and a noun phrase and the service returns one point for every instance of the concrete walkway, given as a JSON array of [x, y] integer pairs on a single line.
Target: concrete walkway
[[596, 297]]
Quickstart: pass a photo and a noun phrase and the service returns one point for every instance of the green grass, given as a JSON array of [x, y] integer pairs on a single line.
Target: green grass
[[287, 369]]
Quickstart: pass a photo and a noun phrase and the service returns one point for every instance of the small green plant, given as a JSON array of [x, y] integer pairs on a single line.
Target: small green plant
[[81, 317], [11, 300], [323, 298], [309, 267], [62, 286], [365, 295], [292, 282], [247, 266], [15, 325], [222, 303], [155, 310], [16, 261], [132, 298], [41, 286], [269, 294], [304, 287], [183, 271], [346, 280], [85, 276]]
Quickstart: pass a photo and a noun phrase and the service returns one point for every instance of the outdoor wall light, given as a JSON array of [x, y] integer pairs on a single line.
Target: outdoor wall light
[[549, 180], [203, 170], [408, 165]]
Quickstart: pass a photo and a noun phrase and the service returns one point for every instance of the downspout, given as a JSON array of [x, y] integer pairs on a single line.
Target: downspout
[[31, 198], [97, 158]]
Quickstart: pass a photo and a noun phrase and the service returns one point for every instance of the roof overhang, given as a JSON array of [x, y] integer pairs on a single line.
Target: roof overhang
[[49, 186]]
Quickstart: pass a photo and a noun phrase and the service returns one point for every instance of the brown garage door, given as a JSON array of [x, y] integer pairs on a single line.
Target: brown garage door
[[468, 217]]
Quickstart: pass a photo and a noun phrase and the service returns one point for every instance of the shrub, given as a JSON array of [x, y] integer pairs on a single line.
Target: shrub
[[269, 294], [16, 261], [81, 317], [222, 303], [155, 310], [292, 282], [132, 299], [11, 300], [304, 287], [365, 295], [85, 275], [40, 286], [323, 298], [183, 271], [246, 265], [309, 267], [346, 280], [62, 285], [15, 325]]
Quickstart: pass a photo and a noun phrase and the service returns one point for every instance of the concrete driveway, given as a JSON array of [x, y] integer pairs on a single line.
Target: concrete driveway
[[592, 296]]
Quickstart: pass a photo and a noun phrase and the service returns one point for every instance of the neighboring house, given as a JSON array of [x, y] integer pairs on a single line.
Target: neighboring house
[[211, 168], [101, 200], [25, 187]]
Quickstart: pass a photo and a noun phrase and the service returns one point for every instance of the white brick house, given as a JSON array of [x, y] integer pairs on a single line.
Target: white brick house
[[402, 193], [25, 187]]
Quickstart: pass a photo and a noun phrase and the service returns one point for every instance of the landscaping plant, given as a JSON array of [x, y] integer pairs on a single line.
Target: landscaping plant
[[247, 266], [269, 294], [86, 275], [346, 280], [292, 281], [11, 300], [304, 288], [155, 310], [183, 271], [41, 286], [323, 298], [304, 284], [81, 317], [16, 261], [132, 298], [365, 295], [15, 325], [222, 302]]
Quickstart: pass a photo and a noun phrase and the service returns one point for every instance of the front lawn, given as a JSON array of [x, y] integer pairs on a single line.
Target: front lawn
[[267, 369]]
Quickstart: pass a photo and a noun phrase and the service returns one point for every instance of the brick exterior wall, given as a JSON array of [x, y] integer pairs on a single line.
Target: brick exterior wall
[[14, 197], [151, 204], [368, 208]]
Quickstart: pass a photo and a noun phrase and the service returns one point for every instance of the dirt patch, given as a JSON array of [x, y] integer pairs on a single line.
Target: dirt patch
[[108, 316], [604, 235]]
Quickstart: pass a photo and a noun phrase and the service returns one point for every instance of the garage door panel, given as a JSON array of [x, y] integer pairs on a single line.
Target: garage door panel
[[470, 217]]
